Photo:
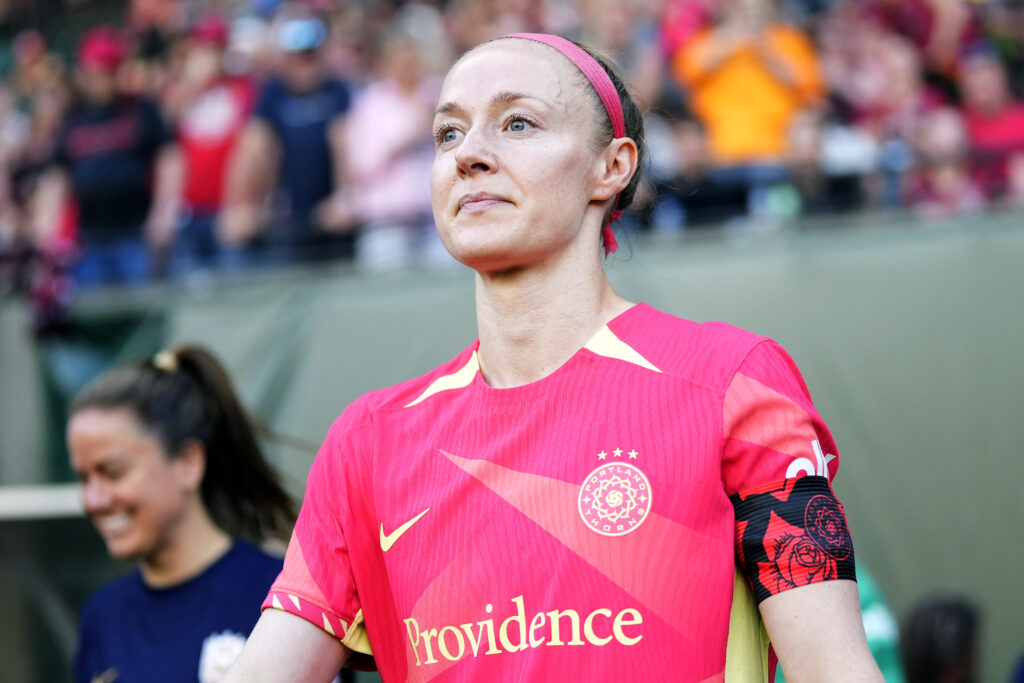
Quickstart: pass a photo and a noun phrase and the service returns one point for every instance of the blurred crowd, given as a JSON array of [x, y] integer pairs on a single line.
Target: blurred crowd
[[203, 136]]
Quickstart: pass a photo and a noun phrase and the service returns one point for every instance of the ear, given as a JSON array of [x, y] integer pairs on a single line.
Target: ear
[[190, 465], [617, 164]]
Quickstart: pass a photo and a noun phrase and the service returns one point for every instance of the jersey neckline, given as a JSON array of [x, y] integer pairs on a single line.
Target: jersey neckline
[[532, 390]]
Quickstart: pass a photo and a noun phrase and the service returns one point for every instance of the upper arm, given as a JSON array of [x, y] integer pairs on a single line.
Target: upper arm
[[802, 59], [792, 539], [818, 634], [778, 459], [287, 648], [253, 164], [689, 62], [317, 582], [47, 203]]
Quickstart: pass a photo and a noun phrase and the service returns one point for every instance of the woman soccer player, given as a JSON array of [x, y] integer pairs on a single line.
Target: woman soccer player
[[592, 491], [171, 470]]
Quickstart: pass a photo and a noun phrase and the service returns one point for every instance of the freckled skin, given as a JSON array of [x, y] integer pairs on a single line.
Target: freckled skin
[[543, 176]]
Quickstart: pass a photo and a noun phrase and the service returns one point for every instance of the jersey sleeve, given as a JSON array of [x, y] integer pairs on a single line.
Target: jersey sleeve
[[778, 461], [316, 582]]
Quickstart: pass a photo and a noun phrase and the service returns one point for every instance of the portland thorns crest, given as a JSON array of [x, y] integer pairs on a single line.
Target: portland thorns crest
[[616, 497]]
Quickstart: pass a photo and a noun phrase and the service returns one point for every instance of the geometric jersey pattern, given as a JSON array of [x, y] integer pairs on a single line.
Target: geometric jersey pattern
[[579, 527]]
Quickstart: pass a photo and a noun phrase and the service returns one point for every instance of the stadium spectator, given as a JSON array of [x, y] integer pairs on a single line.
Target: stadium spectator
[[904, 96], [747, 76], [689, 195], [114, 159], [939, 641], [386, 169], [15, 127], [879, 90], [209, 108], [471, 22], [173, 476], [628, 31], [995, 121], [351, 43], [942, 186], [826, 179], [885, 65], [292, 149], [681, 20], [35, 67], [937, 28]]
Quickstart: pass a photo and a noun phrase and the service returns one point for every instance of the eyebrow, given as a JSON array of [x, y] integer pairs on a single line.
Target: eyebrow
[[504, 97]]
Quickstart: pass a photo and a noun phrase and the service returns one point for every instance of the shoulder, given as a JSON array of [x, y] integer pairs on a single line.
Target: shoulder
[[401, 395], [246, 554], [358, 417], [250, 566], [708, 353], [270, 94]]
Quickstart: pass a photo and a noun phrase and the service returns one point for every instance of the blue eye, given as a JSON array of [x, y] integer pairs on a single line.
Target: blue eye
[[518, 125], [444, 134]]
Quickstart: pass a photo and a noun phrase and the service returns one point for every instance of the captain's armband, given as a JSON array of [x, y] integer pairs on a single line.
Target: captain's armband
[[792, 533]]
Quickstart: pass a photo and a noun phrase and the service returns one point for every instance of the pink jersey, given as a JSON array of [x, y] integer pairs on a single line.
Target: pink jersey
[[578, 528]]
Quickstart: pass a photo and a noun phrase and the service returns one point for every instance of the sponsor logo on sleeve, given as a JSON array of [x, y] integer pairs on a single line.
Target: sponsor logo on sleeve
[[804, 466]]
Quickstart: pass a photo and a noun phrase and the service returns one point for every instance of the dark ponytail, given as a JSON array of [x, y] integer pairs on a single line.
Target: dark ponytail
[[184, 395]]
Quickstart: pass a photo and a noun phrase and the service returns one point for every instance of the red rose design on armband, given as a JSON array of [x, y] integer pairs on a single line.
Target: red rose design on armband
[[792, 533], [794, 558]]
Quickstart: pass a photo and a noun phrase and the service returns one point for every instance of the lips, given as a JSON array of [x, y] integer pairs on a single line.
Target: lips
[[480, 201]]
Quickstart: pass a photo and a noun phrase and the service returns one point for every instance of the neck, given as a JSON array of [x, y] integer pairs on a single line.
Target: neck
[[194, 544], [530, 322]]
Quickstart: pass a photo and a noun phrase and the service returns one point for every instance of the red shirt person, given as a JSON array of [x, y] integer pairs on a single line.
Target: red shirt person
[[995, 121], [210, 108]]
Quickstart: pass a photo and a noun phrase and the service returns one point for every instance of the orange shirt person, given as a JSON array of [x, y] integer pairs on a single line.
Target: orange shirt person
[[747, 77]]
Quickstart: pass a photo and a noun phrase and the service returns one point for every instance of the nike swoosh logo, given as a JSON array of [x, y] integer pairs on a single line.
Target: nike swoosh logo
[[388, 540]]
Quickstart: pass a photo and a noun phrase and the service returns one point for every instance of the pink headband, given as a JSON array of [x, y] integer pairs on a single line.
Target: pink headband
[[599, 79]]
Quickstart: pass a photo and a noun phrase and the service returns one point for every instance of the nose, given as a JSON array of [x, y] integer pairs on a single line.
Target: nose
[[475, 153], [95, 497]]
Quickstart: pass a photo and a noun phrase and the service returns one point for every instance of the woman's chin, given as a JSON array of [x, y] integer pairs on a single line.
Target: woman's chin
[[493, 255], [124, 549]]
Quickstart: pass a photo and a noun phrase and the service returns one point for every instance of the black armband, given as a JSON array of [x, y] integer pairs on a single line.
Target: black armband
[[792, 533]]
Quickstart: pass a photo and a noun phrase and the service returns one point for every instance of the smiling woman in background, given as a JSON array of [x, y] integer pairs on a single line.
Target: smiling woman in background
[[171, 474]]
